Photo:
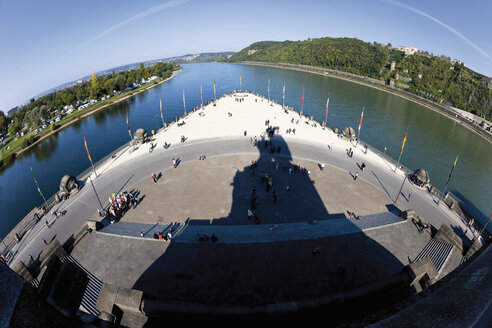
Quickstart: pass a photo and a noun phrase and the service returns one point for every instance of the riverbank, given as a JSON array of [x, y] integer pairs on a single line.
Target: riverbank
[[380, 85], [87, 113]]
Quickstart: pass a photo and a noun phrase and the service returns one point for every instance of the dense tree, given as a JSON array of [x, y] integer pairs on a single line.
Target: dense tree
[[434, 78], [4, 123], [95, 88], [15, 127], [33, 113]]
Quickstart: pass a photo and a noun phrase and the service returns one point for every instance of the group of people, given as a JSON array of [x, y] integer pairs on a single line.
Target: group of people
[[271, 130], [239, 99], [292, 121], [206, 238], [353, 216], [119, 204], [164, 236], [297, 169]]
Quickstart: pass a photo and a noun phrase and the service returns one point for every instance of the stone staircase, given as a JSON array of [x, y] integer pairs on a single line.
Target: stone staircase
[[437, 251], [92, 290]]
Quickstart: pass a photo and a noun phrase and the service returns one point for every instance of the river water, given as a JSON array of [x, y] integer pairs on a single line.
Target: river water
[[433, 140]]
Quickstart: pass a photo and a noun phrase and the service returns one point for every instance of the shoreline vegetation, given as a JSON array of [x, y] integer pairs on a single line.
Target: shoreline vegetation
[[376, 84], [16, 149], [436, 82]]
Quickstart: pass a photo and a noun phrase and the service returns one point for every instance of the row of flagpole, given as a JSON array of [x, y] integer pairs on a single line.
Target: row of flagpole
[[283, 106]]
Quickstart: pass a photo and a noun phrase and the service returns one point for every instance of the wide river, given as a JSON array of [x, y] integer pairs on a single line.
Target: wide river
[[433, 140]]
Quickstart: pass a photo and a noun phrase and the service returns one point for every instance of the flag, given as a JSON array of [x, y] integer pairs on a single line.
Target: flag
[[403, 144], [269, 86], [283, 92], [452, 169], [87, 148], [239, 81], [35, 181], [201, 94], [214, 89], [302, 98], [184, 100], [162, 116], [326, 109], [361, 117], [128, 125]]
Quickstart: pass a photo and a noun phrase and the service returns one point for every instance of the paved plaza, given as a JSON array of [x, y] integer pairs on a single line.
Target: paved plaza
[[218, 190]]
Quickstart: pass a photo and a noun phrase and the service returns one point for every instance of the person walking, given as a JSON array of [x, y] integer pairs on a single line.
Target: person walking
[[174, 163], [409, 196], [356, 176], [154, 177], [250, 214], [362, 166]]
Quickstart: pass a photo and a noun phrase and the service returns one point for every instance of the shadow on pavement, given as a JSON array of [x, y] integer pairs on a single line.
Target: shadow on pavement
[[349, 271]]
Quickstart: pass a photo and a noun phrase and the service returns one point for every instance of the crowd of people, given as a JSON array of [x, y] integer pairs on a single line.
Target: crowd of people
[[119, 204]]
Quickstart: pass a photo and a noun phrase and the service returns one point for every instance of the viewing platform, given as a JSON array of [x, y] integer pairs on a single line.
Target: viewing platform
[[298, 222]]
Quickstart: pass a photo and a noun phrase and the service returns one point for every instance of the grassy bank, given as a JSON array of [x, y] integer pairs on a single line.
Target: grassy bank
[[18, 145]]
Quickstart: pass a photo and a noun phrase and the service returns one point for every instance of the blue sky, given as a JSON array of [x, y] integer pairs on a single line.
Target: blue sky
[[46, 43]]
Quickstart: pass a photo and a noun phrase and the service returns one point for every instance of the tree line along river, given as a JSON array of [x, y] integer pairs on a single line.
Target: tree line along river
[[433, 140]]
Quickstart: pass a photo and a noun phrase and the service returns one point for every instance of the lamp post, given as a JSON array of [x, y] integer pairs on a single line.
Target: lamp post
[[97, 196]]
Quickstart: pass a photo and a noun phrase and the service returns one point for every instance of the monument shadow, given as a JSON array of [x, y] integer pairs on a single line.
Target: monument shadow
[[346, 274]]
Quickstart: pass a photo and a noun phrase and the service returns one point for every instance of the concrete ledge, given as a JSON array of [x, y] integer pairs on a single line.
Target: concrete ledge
[[463, 302], [121, 306], [446, 235], [23, 271], [54, 248], [422, 274]]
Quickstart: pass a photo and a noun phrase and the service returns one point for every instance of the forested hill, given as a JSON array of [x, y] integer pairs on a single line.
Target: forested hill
[[434, 78]]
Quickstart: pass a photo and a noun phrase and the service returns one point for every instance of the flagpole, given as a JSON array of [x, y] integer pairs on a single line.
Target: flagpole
[[326, 110], [37, 186], [447, 181], [162, 115], [302, 101], [184, 102], [283, 97], [268, 89], [481, 231], [214, 92], [401, 152], [360, 124], [88, 155], [240, 83], [97, 196], [201, 94]]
